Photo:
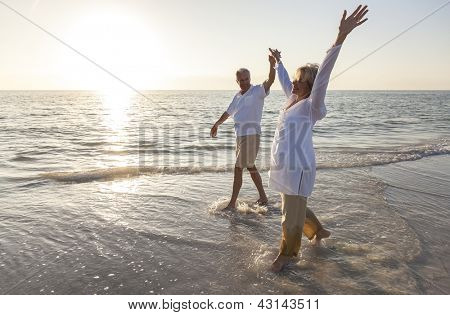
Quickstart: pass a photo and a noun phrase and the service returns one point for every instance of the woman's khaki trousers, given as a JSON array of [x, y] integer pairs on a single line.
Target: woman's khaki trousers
[[296, 219]]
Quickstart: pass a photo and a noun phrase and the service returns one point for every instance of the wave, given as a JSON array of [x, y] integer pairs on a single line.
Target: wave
[[22, 158], [334, 160], [361, 158], [130, 171], [208, 147], [120, 152], [93, 143]]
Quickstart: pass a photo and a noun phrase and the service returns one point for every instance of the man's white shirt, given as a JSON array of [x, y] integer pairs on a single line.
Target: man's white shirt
[[246, 110]]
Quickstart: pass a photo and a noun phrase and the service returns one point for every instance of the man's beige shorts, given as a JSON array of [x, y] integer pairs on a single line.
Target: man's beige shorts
[[246, 150]]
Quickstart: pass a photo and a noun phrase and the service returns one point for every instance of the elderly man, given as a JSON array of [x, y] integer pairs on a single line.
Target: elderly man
[[246, 110]]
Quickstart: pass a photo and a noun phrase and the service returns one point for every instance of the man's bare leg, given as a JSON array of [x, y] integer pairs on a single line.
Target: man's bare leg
[[256, 177], [237, 184]]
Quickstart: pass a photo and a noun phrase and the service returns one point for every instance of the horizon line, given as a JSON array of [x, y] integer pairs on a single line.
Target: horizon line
[[149, 90]]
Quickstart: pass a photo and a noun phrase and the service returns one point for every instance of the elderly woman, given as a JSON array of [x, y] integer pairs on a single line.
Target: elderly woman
[[293, 166]]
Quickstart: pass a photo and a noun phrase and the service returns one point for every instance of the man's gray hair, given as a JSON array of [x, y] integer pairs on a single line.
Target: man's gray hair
[[242, 71]]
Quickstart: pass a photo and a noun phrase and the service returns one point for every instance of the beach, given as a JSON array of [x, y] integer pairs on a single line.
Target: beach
[[120, 196]]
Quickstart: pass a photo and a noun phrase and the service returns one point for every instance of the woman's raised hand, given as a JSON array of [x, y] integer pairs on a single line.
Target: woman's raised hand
[[348, 24]]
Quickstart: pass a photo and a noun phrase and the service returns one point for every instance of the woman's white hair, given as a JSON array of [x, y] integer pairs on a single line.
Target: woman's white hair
[[307, 73]]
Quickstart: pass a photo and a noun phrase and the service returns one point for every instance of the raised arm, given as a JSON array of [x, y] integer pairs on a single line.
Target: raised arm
[[319, 89], [283, 76], [349, 24], [268, 83]]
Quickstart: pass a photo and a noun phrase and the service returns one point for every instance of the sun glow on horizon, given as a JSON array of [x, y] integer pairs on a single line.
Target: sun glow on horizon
[[116, 104], [121, 43], [176, 45]]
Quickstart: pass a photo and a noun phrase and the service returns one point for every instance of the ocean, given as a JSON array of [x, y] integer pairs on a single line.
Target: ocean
[[116, 193]]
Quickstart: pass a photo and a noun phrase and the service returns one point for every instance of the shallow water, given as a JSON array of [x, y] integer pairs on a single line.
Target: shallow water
[[93, 204]]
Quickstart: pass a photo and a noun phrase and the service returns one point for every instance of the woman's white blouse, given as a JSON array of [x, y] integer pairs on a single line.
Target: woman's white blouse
[[293, 162]]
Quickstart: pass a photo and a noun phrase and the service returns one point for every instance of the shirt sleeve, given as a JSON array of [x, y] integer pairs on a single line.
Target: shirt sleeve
[[319, 90], [262, 91], [283, 77], [232, 107]]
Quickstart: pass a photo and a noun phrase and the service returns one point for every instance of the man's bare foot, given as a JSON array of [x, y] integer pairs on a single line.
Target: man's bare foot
[[279, 263], [322, 233], [231, 206], [262, 201]]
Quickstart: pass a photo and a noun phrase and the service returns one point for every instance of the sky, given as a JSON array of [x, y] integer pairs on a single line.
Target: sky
[[199, 44]]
